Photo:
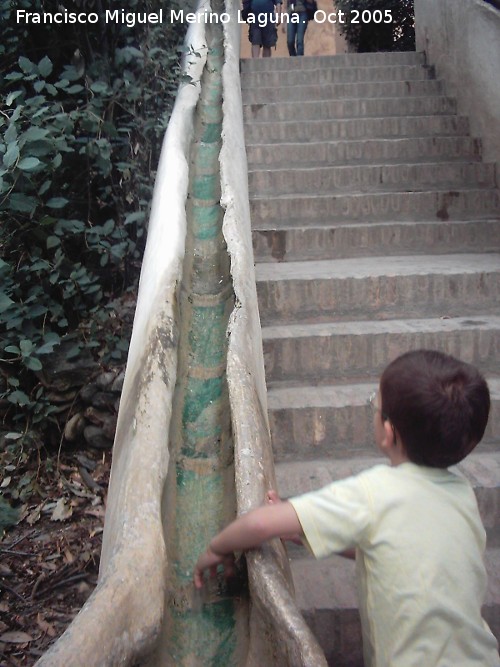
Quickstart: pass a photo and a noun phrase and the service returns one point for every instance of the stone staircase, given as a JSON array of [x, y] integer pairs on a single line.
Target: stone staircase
[[376, 230]]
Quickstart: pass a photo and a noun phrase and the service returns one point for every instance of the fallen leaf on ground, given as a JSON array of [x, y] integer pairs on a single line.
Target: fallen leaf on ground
[[16, 638], [62, 511]]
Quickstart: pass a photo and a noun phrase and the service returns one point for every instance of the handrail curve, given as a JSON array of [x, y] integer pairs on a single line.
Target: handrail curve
[[123, 621]]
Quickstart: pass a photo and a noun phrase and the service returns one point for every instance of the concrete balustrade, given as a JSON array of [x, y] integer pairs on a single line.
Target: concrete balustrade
[[461, 39]]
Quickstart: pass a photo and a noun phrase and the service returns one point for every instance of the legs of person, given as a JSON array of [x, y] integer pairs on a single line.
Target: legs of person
[[269, 38], [255, 50], [291, 33], [255, 39], [301, 31]]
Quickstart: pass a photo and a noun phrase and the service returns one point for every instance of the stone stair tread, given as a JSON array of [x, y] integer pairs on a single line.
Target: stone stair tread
[[341, 152], [345, 90], [314, 168], [374, 127], [482, 469], [354, 394], [255, 167], [273, 225], [344, 75], [464, 187], [404, 176], [370, 267], [329, 583], [349, 107], [381, 327], [339, 60]]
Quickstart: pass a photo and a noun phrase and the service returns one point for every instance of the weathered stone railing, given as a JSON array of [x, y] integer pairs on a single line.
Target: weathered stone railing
[[192, 443], [461, 38]]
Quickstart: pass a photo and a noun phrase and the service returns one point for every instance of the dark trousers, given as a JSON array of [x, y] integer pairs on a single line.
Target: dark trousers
[[295, 35]]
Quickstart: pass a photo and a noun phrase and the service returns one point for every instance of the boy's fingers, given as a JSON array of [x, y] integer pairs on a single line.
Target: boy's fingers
[[198, 578]]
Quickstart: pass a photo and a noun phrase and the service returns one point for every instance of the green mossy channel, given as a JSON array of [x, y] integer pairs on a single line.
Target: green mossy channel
[[202, 629]]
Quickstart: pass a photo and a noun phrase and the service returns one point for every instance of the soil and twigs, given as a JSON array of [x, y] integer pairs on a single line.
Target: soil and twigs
[[49, 560]]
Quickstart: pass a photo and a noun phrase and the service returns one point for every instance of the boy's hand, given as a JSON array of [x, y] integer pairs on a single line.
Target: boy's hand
[[209, 561]]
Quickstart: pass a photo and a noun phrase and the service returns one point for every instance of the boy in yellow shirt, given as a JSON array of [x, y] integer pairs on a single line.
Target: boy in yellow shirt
[[414, 524]]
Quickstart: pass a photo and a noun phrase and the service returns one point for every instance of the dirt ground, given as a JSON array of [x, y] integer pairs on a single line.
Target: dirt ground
[[49, 560]]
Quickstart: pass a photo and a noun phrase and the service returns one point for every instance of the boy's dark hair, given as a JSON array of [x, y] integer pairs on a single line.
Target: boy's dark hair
[[438, 405]]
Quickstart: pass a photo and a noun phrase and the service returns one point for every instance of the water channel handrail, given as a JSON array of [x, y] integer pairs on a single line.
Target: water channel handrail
[[121, 622]]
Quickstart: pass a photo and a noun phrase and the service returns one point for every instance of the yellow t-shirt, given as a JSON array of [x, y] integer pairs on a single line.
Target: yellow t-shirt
[[420, 571]]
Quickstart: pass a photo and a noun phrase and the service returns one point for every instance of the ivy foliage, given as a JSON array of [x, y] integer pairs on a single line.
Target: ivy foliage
[[372, 35], [83, 109]]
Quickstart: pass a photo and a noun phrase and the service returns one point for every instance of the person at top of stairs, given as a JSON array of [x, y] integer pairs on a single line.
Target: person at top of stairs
[[262, 30], [415, 524], [296, 28]]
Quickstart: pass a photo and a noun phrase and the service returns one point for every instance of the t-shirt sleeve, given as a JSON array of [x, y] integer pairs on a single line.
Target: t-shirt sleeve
[[336, 517]]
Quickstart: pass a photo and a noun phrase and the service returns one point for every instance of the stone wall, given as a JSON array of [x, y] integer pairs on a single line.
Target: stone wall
[[461, 38]]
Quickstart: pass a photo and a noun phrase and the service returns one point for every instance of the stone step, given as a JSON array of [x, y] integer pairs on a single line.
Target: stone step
[[336, 421], [481, 469], [341, 241], [326, 594], [378, 206], [375, 288], [371, 178], [325, 75], [387, 151], [349, 108], [329, 129], [333, 91], [339, 351], [379, 59]]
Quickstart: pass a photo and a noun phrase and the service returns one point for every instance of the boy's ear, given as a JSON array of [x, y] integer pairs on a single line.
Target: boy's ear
[[388, 440]]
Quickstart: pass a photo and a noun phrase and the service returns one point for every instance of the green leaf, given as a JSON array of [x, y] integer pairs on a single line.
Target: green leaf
[[28, 163], [72, 90], [14, 76], [71, 226], [44, 187], [9, 516], [57, 202], [13, 349], [11, 134], [73, 352], [99, 87], [18, 397], [53, 242], [26, 347], [22, 203], [45, 66], [49, 345], [138, 216], [33, 364], [34, 134], [5, 302], [26, 65], [11, 155], [12, 96]]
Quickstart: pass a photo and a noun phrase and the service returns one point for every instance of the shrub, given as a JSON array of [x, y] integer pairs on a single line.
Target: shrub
[[82, 114], [398, 35]]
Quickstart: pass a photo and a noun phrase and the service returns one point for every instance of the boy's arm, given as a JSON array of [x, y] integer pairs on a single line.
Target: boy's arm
[[247, 532]]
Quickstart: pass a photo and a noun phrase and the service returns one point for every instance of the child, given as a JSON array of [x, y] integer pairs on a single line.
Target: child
[[415, 525]]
